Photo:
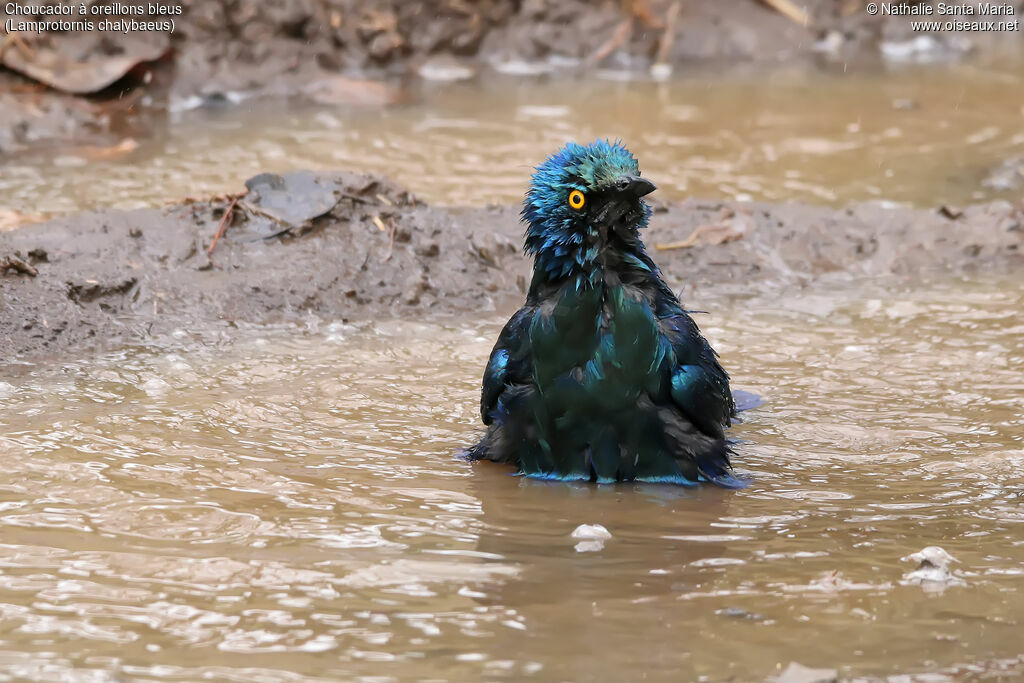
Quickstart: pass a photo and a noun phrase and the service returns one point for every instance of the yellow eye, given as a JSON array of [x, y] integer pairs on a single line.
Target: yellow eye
[[577, 200]]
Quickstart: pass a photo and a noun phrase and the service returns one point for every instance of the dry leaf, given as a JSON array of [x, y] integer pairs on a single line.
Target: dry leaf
[[93, 153], [10, 219], [729, 227], [79, 76]]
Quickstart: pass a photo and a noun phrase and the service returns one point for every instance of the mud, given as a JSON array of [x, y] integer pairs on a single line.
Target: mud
[[108, 278], [338, 52]]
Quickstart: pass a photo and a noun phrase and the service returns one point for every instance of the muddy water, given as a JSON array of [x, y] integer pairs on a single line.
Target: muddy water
[[919, 137], [268, 504]]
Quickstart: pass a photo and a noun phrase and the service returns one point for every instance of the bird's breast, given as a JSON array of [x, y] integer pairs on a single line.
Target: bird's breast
[[595, 344]]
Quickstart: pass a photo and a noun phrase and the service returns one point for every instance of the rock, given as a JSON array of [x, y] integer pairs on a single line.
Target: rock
[[932, 569], [294, 198], [831, 43], [591, 537], [1007, 176], [445, 69], [593, 532], [924, 49], [798, 673]]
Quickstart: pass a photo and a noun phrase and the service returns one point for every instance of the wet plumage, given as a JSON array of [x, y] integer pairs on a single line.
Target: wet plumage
[[602, 375]]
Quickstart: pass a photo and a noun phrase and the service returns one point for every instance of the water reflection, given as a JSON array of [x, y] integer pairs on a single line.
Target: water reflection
[[283, 503]]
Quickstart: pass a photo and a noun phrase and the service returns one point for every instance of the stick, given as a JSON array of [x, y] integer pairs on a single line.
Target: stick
[[787, 8], [224, 220], [391, 244], [620, 36], [669, 35], [354, 197], [285, 225], [641, 9], [690, 241], [14, 39], [16, 264], [252, 208]]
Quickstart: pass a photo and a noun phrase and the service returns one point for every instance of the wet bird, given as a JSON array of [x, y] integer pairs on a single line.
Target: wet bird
[[602, 375]]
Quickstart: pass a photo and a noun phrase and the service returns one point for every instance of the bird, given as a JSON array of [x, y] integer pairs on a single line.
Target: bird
[[602, 375]]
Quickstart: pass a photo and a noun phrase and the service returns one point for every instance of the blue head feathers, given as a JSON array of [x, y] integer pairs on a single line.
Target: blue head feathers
[[577, 197]]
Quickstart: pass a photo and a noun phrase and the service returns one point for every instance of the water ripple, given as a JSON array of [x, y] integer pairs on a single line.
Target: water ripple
[[292, 510]]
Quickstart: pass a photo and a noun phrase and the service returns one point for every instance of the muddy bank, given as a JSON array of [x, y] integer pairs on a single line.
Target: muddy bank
[[339, 51], [353, 247]]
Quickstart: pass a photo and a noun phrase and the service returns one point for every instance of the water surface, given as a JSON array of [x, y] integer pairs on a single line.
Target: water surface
[[283, 504], [910, 136]]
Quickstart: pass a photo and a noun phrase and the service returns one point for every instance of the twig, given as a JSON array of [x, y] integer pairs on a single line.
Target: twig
[[24, 47], [5, 43], [285, 225], [391, 244], [787, 8], [668, 36], [14, 39], [690, 241], [252, 208], [390, 230], [16, 264], [641, 9], [354, 197], [618, 38], [224, 221]]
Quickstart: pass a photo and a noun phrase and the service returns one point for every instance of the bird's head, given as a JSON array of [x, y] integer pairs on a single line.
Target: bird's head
[[581, 191]]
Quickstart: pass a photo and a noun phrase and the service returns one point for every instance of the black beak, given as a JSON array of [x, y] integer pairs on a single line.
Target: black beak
[[621, 199], [634, 186]]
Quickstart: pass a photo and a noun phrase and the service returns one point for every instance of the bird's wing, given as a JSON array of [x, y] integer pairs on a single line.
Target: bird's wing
[[509, 362], [690, 371], [694, 385], [698, 387], [695, 379]]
